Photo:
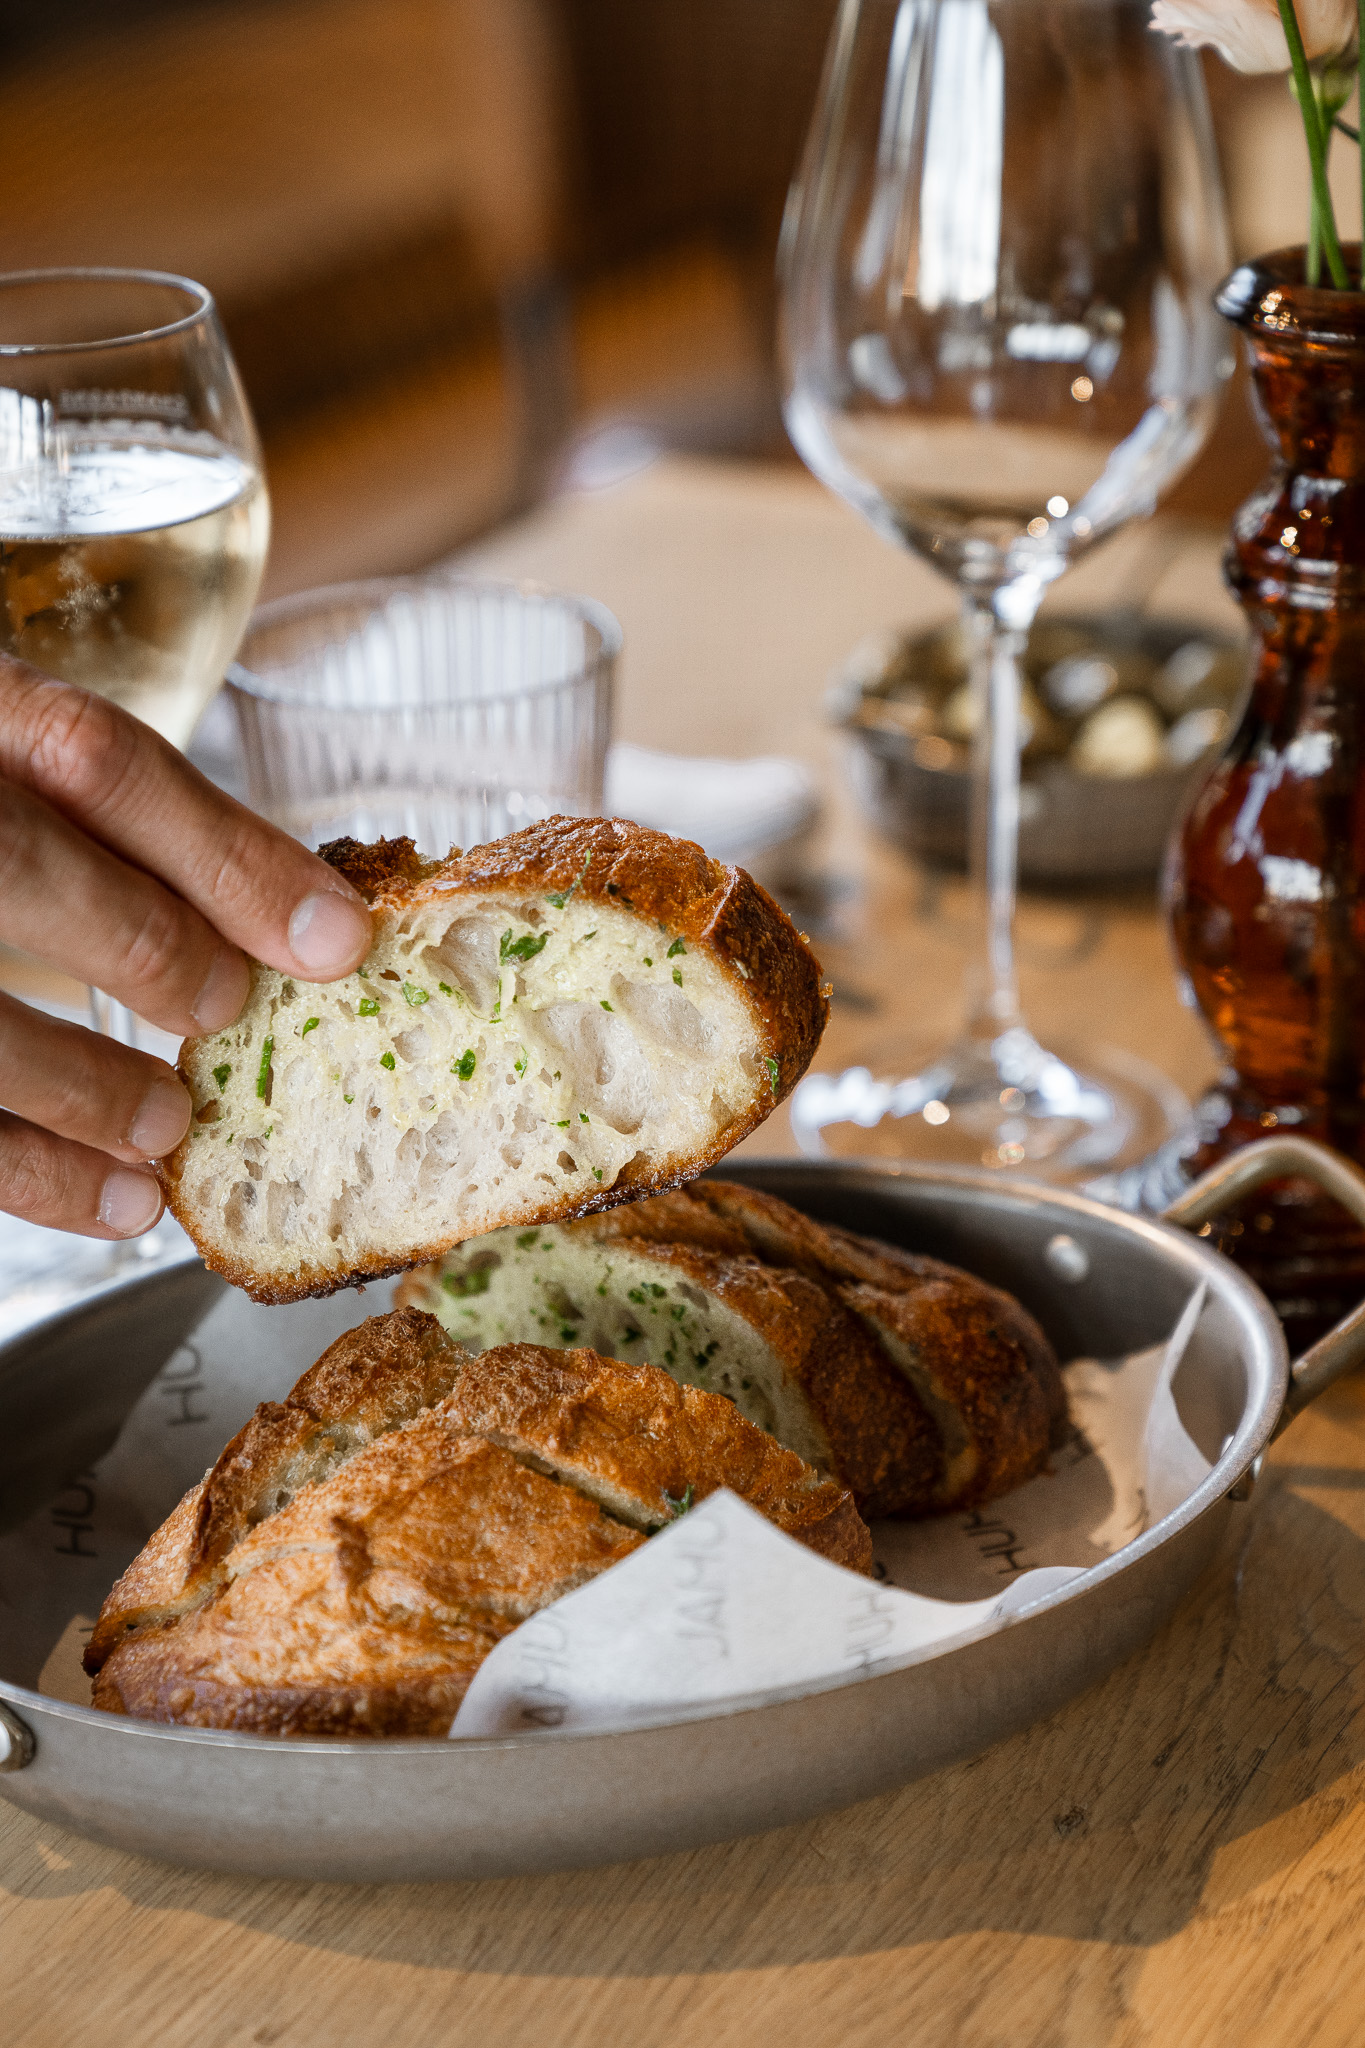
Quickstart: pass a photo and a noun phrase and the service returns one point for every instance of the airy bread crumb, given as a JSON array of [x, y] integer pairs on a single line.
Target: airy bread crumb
[[920, 1387], [575, 1015]]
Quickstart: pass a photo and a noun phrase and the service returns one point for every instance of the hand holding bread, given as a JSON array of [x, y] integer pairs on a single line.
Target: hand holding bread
[[123, 866], [563, 1020]]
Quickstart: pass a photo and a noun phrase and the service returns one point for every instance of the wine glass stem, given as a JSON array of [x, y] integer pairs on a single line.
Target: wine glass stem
[[996, 643], [112, 1019]]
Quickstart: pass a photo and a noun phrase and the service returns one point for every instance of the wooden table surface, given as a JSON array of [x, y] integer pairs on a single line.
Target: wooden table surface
[[1176, 1858]]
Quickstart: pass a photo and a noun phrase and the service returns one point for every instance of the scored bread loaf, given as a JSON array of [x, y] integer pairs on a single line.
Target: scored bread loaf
[[369, 1382], [359, 1548], [918, 1386], [546, 1025]]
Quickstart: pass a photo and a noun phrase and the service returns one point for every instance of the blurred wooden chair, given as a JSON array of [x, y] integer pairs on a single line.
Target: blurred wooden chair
[[371, 189], [450, 238]]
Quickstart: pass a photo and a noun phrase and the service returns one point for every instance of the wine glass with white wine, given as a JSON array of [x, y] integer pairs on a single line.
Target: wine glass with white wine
[[999, 344], [133, 512]]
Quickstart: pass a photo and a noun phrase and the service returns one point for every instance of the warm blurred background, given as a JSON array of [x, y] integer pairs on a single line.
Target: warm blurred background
[[469, 251]]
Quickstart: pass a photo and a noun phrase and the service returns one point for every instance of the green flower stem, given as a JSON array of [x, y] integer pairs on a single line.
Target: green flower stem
[[1336, 82], [1329, 98], [1312, 269], [1324, 216]]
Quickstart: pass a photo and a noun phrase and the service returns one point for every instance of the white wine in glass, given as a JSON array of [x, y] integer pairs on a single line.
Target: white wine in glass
[[133, 512], [131, 570], [999, 345]]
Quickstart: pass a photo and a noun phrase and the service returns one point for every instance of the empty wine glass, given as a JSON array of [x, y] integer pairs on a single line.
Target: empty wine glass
[[999, 345]]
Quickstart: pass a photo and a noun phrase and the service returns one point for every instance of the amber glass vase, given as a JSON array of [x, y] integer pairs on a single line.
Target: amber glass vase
[[1267, 875]]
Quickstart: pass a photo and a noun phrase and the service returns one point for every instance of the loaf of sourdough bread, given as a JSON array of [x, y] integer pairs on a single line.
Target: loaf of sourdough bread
[[358, 1549], [562, 1020], [917, 1385]]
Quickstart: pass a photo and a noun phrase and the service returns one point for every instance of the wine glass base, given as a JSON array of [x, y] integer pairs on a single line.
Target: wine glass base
[[1008, 1104]]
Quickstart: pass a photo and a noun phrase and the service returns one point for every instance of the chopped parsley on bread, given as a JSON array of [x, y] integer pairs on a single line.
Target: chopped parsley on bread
[[557, 1022], [917, 1385]]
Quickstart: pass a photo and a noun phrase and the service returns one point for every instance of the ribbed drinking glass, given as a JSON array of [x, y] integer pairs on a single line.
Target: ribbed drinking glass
[[443, 711]]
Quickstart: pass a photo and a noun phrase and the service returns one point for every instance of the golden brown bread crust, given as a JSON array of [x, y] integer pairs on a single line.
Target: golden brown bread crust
[[680, 1216], [372, 1379], [607, 860], [386, 1370], [902, 1272], [883, 1442], [946, 1339], [879, 1439], [931, 1388], [434, 1522], [967, 1346], [367, 1606], [641, 1444]]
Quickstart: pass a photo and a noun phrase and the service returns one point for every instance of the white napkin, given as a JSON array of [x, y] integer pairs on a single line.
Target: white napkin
[[734, 809], [720, 1605]]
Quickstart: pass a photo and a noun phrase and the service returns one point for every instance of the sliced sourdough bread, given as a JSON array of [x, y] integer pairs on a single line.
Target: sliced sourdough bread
[[545, 1026], [358, 1549], [918, 1386]]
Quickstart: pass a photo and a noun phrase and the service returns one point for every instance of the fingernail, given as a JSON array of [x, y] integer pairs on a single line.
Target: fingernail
[[130, 1202], [329, 934], [162, 1119], [224, 990]]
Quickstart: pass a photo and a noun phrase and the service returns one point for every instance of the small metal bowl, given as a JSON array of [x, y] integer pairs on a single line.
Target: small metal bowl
[[1171, 682]]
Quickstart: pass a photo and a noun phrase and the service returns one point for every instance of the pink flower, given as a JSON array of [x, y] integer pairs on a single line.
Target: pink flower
[[1247, 33]]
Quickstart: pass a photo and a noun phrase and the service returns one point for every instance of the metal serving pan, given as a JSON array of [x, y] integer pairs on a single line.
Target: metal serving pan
[[403, 1810]]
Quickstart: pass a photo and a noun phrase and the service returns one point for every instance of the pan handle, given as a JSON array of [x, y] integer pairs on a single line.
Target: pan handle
[[1276, 1159], [17, 1746]]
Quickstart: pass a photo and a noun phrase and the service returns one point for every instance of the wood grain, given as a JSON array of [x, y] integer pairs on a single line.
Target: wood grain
[[1177, 1860]]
